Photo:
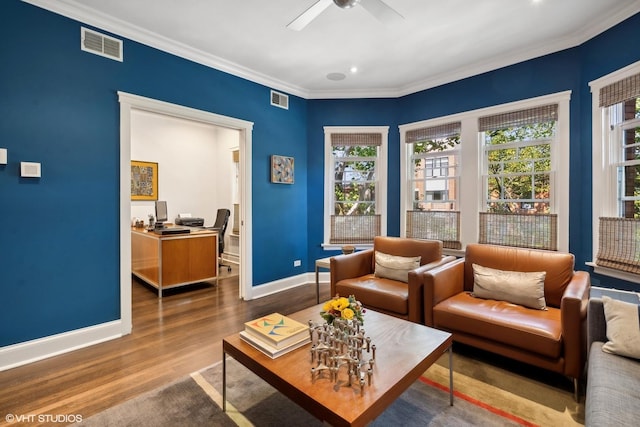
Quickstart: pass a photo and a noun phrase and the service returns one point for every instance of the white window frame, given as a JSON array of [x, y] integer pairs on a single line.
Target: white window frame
[[515, 145], [436, 159], [471, 196], [381, 177], [604, 185]]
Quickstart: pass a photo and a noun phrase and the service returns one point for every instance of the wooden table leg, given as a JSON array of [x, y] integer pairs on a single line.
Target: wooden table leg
[[317, 285], [224, 381]]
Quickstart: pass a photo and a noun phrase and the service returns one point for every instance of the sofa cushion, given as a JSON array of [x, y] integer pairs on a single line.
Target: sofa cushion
[[557, 265], [395, 267], [613, 389], [537, 331], [374, 292], [623, 327], [523, 288]]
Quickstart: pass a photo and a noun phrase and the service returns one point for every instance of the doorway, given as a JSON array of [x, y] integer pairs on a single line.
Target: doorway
[[130, 103]]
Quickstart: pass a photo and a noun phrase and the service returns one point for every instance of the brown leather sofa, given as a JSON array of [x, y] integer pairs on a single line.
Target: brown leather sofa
[[354, 274], [553, 339]]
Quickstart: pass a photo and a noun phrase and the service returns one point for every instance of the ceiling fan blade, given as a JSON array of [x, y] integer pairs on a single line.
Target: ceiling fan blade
[[383, 12], [309, 15]]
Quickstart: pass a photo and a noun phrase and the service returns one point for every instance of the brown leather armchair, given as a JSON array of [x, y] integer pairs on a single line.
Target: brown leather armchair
[[553, 339], [354, 274]]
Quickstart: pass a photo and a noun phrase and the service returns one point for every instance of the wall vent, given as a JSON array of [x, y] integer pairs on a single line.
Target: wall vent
[[279, 100], [100, 44]]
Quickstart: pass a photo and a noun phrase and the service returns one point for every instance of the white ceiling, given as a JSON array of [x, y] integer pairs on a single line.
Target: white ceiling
[[438, 41]]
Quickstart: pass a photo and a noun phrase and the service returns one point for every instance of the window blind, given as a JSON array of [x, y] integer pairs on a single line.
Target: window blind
[[446, 130], [537, 231], [435, 225], [354, 229], [620, 91], [366, 139], [529, 116], [619, 244]]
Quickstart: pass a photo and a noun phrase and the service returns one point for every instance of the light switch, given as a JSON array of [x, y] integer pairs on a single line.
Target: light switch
[[29, 170], [3, 156]]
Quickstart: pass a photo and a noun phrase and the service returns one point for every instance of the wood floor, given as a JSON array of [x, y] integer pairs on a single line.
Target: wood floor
[[171, 337]]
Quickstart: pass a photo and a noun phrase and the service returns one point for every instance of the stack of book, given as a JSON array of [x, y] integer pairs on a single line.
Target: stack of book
[[275, 335]]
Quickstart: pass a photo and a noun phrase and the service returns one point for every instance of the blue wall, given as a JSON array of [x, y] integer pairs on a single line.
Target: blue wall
[[348, 112], [571, 69], [59, 251], [608, 52]]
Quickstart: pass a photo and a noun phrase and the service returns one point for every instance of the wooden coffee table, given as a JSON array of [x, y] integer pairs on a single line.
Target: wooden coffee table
[[404, 351]]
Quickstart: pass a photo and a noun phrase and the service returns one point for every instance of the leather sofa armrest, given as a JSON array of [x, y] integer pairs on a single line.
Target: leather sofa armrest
[[441, 283], [415, 288], [573, 307], [434, 264], [349, 266]]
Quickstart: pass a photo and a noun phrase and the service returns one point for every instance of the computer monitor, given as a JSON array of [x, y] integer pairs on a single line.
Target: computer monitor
[[161, 211]]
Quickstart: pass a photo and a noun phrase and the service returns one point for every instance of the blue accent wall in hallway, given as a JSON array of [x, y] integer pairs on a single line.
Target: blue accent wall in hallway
[[59, 250]]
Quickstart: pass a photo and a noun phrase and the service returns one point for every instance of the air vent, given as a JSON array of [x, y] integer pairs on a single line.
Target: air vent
[[279, 100], [100, 44]]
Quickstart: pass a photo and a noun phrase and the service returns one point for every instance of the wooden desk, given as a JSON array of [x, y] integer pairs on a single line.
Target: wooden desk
[[404, 350], [171, 260]]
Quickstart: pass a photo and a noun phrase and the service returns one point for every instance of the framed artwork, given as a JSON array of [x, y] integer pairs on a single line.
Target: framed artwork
[[144, 180], [282, 169]]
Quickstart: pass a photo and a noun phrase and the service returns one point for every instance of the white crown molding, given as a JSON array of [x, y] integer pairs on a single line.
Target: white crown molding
[[505, 60], [79, 12], [75, 10]]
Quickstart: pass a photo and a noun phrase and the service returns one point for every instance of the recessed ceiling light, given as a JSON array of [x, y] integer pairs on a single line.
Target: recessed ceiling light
[[336, 76], [353, 69]]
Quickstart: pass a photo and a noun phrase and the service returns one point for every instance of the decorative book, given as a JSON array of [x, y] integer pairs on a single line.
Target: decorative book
[[277, 330], [271, 351]]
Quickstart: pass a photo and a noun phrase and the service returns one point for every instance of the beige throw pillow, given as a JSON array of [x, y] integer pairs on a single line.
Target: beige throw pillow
[[623, 327], [395, 267], [516, 287]]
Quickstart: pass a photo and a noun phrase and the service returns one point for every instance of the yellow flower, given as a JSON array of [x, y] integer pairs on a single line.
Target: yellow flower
[[347, 313], [327, 306], [341, 303]]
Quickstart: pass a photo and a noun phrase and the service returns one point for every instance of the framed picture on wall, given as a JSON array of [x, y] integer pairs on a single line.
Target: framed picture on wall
[[281, 169], [144, 180]]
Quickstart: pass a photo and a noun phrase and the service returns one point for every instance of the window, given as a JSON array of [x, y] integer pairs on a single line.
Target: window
[[517, 175], [434, 156], [616, 185], [355, 185], [495, 175]]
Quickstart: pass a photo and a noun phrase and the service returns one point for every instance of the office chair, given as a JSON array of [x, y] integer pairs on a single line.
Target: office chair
[[222, 218]]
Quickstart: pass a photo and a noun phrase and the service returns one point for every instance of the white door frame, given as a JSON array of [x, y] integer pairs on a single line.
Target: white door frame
[[130, 102]]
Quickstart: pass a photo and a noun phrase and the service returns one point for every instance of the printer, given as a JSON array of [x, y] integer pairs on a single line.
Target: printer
[[190, 221]]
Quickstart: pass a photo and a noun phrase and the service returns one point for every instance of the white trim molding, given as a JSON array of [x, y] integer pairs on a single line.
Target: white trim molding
[[270, 288], [604, 201], [128, 102], [471, 188], [382, 178], [75, 9], [24, 353]]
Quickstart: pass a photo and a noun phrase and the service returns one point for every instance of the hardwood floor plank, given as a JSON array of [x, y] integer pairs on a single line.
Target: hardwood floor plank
[[171, 338]]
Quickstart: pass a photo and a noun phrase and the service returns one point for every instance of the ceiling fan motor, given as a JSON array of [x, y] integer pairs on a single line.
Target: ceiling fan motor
[[346, 4]]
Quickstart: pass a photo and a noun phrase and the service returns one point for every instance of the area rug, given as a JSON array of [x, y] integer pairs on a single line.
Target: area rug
[[484, 396]]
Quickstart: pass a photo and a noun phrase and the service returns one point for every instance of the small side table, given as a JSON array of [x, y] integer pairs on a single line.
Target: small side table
[[321, 263]]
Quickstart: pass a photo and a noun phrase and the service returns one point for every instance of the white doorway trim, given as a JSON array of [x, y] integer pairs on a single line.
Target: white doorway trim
[[129, 102]]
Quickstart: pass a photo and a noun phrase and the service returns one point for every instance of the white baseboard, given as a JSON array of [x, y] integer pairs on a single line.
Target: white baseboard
[[305, 279], [31, 351]]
